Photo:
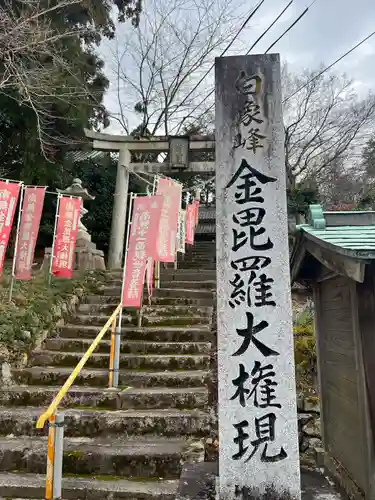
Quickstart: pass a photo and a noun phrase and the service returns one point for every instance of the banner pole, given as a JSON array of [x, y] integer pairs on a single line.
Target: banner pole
[[116, 360], [157, 264], [145, 277], [53, 241], [13, 181], [16, 243]]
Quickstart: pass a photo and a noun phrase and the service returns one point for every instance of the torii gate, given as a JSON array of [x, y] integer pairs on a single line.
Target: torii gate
[[178, 147]]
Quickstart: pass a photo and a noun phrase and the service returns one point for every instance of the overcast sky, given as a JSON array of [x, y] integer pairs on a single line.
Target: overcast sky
[[329, 29]]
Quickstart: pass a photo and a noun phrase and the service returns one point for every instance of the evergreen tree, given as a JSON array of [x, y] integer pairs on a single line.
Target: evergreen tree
[[41, 120]]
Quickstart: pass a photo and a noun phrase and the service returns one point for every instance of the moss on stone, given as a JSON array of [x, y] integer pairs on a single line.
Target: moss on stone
[[108, 477], [305, 349], [74, 453], [98, 407]]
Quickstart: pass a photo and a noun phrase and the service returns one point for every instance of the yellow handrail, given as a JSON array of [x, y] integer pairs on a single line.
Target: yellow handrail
[[64, 389]]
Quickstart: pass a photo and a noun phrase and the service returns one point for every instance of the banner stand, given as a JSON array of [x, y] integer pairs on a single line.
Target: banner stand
[[59, 196], [140, 313], [16, 243], [116, 360], [157, 263], [156, 274]]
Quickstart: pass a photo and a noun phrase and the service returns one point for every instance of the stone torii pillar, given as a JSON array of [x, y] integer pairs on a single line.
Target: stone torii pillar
[[106, 142], [120, 205]]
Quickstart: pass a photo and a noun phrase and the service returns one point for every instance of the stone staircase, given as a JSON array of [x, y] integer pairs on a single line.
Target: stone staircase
[[129, 443], [202, 255]]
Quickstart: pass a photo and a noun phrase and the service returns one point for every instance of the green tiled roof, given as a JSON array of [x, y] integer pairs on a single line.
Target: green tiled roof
[[329, 229], [352, 238]]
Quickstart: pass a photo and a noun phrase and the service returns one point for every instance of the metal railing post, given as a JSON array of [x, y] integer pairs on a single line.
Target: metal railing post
[[112, 353], [58, 456], [157, 274], [116, 354], [50, 458]]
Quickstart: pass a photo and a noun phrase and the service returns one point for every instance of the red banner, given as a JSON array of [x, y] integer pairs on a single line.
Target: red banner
[[190, 224], [171, 192], [9, 192], [66, 237], [32, 207], [142, 247]]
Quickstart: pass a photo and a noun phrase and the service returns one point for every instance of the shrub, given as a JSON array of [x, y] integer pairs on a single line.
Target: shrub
[[35, 308]]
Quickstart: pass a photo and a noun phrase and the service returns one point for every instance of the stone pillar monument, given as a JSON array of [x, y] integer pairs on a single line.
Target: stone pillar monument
[[87, 256], [257, 396]]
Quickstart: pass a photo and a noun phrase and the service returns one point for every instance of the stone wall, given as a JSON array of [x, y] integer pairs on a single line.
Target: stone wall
[[309, 433], [212, 443]]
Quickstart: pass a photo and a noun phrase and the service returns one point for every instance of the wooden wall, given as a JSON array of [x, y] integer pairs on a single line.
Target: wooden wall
[[366, 320], [342, 382]]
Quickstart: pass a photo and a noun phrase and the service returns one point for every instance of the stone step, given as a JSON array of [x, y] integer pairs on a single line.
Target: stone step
[[197, 265], [173, 274], [147, 320], [13, 486], [154, 310], [127, 361], [115, 293], [187, 275], [169, 281], [104, 423], [182, 301], [208, 251], [110, 291], [204, 252], [148, 458], [115, 290], [42, 375], [181, 292], [189, 285], [158, 297], [201, 333], [111, 399], [133, 347], [102, 299]]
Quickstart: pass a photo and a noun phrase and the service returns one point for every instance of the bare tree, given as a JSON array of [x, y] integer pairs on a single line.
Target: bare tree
[[32, 59], [326, 125], [36, 68], [342, 184], [156, 68]]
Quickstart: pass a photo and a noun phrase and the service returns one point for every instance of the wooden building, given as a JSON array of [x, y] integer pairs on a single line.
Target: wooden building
[[335, 253], [206, 230]]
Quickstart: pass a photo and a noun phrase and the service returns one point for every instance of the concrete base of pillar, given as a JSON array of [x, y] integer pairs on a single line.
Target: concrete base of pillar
[[201, 481]]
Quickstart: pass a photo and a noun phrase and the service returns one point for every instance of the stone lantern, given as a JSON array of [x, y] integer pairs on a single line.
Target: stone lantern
[[76, 189], [87, 256]]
